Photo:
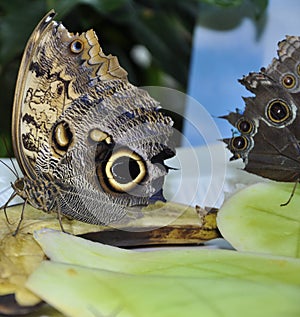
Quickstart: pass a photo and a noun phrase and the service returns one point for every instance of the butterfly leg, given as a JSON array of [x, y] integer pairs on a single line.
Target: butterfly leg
[[292, 194], [60, 221], [21, 219]]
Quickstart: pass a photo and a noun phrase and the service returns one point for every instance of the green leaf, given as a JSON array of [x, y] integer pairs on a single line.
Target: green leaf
[[17, 23], [223, 3], [259, 6], [102, 6]]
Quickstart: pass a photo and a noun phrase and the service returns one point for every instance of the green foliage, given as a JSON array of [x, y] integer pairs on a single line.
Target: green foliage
[[227, 15]]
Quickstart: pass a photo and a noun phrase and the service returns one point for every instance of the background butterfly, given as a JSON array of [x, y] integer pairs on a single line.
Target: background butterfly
[[269, 127]]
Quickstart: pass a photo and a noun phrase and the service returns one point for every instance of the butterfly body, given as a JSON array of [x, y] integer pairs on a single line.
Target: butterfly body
[[89, 143], [39, 193]]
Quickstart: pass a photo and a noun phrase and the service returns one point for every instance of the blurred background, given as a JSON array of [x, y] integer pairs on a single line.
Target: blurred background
[[227, 44], [177, 44]]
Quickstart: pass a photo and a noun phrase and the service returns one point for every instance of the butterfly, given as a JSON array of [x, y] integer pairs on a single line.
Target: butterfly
[[268, 130], [89, 143]]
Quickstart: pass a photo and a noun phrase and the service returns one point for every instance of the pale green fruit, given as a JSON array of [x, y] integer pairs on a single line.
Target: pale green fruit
[[84, 292], [254, 220], [100, 280]]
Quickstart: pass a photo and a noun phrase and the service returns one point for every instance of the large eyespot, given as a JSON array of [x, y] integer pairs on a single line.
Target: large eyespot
[[76, 46], [124, 170], [288, 81], [245, 126], [278, 111], [239, 143]]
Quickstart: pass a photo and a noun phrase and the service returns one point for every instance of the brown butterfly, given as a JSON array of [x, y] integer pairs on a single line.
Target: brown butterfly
[[88, 142], [269, 133], [268, 129]]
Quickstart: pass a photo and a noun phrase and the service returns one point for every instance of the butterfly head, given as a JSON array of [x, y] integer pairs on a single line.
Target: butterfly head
[[19, 187]]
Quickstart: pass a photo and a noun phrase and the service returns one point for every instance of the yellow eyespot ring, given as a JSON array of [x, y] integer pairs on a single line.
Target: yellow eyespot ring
[[288, 81], [97, 135], [121, 158], [245, 126], [76, 46], [62, 138], [278, 111], [239, 143], [298, 69]]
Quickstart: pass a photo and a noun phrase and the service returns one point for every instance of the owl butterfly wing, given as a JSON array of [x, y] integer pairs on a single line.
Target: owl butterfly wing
[[106, 154], [286, 69], [57, 67], [269, 127]]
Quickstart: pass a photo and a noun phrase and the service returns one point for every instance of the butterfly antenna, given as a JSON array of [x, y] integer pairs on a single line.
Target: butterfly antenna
[[14, 167], [13, 195], [13, 170]]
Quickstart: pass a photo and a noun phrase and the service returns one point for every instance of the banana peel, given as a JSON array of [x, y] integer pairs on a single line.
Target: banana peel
[[85, 279], [157, 224]]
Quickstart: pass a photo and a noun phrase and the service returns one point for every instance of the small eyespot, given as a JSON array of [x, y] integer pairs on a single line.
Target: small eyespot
[[289, 81], [245, 126], [96, 135], [76, 46], [239, 143], [278, 111], [62, 135], [62, 138]]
